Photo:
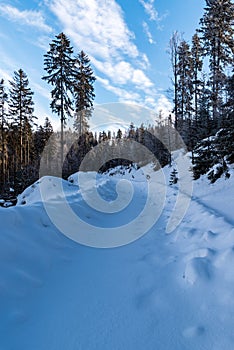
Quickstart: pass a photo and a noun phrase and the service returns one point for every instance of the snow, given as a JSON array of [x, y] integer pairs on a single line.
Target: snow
[[162, 291]]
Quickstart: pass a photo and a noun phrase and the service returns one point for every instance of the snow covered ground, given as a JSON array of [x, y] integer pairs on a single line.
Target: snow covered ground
[[163, 291]]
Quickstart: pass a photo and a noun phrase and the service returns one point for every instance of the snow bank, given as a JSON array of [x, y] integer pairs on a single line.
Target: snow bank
[[164, 291]]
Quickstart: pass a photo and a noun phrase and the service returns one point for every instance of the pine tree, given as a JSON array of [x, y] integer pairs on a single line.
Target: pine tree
[[185, 93], [131, 131], [21, 111], [173, 177], [217, 35], [3, 134], [185, 87], [83, 92], [41, 136], [119, 134], [204, 124], [197, 53], [229, 106], [59, 65], [174, 56]]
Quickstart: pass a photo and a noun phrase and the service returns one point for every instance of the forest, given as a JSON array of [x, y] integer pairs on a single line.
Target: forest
[[202, 92]]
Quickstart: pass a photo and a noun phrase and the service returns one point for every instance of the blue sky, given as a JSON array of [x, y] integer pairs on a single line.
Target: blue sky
[[126, 40]]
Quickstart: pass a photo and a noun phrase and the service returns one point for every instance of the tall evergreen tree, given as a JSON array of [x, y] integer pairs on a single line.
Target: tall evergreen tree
[[185, 87], [204, 124], [83, 92], [21, 111], [3, 133], [174, 56], [185, 92], [59, 65], [217, 35], [197, 57], [229, 122]]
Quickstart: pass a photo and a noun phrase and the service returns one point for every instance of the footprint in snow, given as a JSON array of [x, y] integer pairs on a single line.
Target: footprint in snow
[[198, 269], [151, 258], [210, 235]]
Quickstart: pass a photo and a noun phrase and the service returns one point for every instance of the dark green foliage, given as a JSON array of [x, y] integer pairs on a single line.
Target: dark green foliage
[[114, 163], [214, 174], [59, 65], [205, 157], [185, 84], [217, 35], [83, 145], [3, 134], [214, 154], [207, 107], [83, 92], [173, 177], [21, 114]]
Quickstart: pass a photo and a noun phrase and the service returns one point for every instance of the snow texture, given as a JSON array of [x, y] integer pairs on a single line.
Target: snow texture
[[163, 291]]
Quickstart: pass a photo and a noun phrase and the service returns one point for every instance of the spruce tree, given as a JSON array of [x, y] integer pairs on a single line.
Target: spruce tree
[[185, 87], [83, 92], [21, 111], [185, 92], [174, 57], [173, 177], [197, 53], [59, 65], [3, 134], [217, 35], [204, 124]]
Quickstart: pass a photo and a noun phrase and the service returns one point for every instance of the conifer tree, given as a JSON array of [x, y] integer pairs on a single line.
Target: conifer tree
[[185, 92], [59, 65], [204, 123], [173, 50], [3, 133], [217, 35], [83, 92], [185, 88], [197, 53], [173, 177], [21, 111]]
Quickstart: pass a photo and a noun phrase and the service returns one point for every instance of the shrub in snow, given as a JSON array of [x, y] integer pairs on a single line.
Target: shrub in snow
[[173, 177], [217, 171], [213, 154]]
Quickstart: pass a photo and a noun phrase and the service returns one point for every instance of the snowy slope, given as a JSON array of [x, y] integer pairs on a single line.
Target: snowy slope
[[163, 291]]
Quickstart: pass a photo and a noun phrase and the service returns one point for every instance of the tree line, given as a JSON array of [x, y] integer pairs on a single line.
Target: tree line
[[22, 140], [203, 114], [203, 82]]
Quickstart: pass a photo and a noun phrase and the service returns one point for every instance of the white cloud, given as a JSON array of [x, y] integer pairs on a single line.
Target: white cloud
[[148, 33], [153, 13], [140, 79], [119, 72], [98, 27], [124, 95], [25, 17], [123, 73], [153, 102], [43, 42], [164, 105], [145, 61], [150, 9]]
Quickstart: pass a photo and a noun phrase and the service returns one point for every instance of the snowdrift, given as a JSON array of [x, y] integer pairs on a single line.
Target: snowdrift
[[163, 291]]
